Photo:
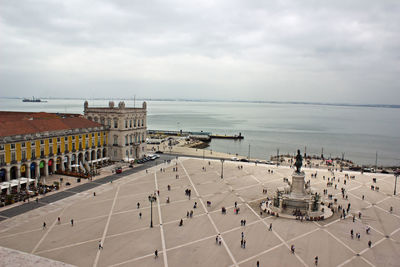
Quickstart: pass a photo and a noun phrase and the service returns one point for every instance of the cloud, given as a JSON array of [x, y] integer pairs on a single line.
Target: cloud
[[346, 51]]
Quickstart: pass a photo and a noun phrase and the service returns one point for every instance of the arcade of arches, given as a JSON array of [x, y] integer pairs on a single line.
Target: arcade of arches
[[78, 161]]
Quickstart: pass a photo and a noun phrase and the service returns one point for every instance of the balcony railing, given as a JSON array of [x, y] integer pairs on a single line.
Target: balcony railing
[[14, 161], [51, 154], [115, 144]]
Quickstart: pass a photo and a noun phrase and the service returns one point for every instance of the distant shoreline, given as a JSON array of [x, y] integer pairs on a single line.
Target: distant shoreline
[[226, 101]]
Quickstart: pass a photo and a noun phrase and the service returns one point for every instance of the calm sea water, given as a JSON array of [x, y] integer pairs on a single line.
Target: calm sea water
[[358, 132]]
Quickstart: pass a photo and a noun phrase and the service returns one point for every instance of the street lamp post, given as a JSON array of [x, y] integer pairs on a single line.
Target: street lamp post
[[152, 198], [396, 174], [222, 168]]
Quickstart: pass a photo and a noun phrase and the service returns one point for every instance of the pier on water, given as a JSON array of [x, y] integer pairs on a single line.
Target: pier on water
[[205, 136]]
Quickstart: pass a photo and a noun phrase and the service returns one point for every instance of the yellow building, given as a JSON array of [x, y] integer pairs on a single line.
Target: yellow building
[[38, 144]]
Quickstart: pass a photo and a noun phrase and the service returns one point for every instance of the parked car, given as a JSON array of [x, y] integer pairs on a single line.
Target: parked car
[[244, 160], [118, 170], [234, 159]]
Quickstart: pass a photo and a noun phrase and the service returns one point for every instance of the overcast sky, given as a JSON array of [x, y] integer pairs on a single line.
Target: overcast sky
[[327, 51]]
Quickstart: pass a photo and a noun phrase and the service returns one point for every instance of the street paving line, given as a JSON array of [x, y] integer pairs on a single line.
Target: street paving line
[[367, 261], [340, 241], [132, 260], [276, 234], [106, 228], [375, 244], [48, 231], [67, 246], [395, 215], [380, 201], [379, 232], [261, 253], [209, 216], [161, 223], [346, 261]]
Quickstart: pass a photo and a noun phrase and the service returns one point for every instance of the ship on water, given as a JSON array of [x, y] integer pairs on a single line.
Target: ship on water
[[33, 99]]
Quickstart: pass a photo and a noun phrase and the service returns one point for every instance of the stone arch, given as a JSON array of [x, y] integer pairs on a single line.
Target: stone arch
[[96, 119], [59, 164], [90, 118], [87, 156], [102, 120], [73, 159], [93, 156], [80, 158], [65, 162], [32, 169], [104, 152], [99, 153], [3, 172], [50, 165], [42, 166], [24, 170]]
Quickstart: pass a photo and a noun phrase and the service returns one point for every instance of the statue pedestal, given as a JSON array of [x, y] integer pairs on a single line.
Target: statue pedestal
[[297, 188], [298, 201]]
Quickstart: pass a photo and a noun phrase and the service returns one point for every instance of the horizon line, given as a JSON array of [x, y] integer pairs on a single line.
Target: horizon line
[[220, 100]]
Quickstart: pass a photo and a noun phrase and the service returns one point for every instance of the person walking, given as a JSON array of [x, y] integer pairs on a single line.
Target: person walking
[[44, 225], [72, 222], [292, 249], [316, 260], [258, 264], [270, 227], [100, 246], [138, 205], [156, 254], [369, 244], [140, 215], [244, 243], [58, 220]]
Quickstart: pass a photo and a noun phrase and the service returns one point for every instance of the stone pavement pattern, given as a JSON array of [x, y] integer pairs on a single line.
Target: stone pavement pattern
[[112, 217]]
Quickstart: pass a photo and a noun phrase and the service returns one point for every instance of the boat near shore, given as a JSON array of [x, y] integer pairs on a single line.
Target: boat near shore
[[33, 100]]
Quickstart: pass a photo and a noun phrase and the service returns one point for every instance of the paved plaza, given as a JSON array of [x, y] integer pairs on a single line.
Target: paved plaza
[[112, 219]]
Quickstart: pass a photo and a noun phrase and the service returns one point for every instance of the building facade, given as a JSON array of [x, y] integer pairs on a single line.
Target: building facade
[[37, 144], [126, 128]]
